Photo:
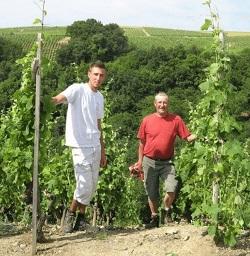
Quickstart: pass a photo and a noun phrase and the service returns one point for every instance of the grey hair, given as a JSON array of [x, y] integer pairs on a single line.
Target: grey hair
[[161, 94]]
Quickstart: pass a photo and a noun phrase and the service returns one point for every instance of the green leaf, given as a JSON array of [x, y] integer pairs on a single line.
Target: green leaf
[[206, 25], [242, 186], [197, 212], [238, 200], [200, 170], [208, 2], [229, 238], [219, 167], [232, 148], [212, 230], [28, 164], [37, 21], [241, 222], [27, 130], [204, 86], [186, 189], [16, 178], [213, 210], [214, 68]]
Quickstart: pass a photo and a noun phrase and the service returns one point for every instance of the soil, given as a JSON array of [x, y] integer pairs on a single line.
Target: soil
[[173, 240]]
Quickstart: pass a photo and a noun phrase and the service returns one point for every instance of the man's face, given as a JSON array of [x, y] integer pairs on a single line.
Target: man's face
[[96, 77], [161, 105]]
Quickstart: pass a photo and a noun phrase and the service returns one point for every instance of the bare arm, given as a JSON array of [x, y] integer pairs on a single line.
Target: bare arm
[[140, 155], [140, 151], [103, 162], [58, 99]]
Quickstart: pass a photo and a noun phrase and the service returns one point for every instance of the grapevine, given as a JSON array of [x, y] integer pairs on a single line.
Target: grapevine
[[217, 158]]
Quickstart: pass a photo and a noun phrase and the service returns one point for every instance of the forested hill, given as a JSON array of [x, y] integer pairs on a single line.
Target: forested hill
[[142, 37]]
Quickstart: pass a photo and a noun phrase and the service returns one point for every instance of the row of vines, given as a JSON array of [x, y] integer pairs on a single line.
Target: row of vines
[[215, 170], [26, 41]]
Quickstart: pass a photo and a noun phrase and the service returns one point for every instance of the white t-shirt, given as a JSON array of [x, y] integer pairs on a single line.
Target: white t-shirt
[[84, 108]]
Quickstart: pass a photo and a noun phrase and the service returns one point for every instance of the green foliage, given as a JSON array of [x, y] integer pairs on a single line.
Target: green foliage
[[216, 157], [16, 136], [9, 50], [137, 76], [8, 87], [117, 194], [91, 40]]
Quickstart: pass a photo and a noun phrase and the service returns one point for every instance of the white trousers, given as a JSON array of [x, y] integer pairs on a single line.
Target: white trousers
[[86, 166]]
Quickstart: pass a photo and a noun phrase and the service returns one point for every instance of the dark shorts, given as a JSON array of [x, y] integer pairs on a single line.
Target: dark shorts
[[154, 171]]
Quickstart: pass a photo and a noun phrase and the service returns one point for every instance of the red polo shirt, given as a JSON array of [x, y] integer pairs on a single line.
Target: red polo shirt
[[159, 134]]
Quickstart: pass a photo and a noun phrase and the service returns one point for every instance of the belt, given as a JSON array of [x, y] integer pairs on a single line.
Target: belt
[[159, 159]]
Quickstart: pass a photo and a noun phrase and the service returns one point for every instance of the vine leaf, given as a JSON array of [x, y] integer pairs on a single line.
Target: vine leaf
[[212, 230], [238, 200], [37, 21], [206, 24]]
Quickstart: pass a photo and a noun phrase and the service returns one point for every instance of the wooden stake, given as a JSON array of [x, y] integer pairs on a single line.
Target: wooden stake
[[37, 71]]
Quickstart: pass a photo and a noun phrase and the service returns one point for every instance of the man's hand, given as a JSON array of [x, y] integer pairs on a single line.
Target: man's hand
[[191, 137], [136, 171], [138, 166]]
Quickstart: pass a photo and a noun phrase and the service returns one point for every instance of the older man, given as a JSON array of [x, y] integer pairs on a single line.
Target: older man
[[157, 134]]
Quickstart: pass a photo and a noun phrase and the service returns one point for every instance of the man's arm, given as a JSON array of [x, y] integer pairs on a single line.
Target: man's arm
[[138, 165], [58, 99], [103, 162]]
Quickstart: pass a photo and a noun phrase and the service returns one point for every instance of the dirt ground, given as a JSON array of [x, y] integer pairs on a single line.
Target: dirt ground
[[175, 240]]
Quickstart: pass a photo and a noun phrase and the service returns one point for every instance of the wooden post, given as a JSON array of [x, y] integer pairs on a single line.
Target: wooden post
[[216, 190], [36, 69], [94, 215]]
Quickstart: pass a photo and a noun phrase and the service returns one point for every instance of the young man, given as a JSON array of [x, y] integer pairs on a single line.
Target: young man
[[84, 136], [156, 136]]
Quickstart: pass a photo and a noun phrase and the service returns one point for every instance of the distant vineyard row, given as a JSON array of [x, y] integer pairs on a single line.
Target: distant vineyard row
[[26, 37], [142, 37], [147, 37]]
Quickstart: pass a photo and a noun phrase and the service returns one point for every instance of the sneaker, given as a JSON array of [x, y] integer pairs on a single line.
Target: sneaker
[[69, 222], [154, 223], [80, 224], [166, 216]]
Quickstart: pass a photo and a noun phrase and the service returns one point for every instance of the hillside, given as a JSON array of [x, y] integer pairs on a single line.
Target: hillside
[[142, 37]]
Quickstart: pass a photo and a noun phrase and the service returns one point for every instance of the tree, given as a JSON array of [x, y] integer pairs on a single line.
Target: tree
[[9, 50], [91, 40], [9, 72]]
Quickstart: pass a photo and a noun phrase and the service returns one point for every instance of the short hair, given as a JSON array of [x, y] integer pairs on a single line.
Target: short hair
[[98, 64], [161, 94]]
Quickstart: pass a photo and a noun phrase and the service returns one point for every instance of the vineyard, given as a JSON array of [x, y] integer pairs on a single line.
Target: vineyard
[[213, 171], [141, 37], [27, 36]]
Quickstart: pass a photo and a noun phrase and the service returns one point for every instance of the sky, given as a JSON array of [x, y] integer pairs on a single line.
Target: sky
[[177, 14]]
